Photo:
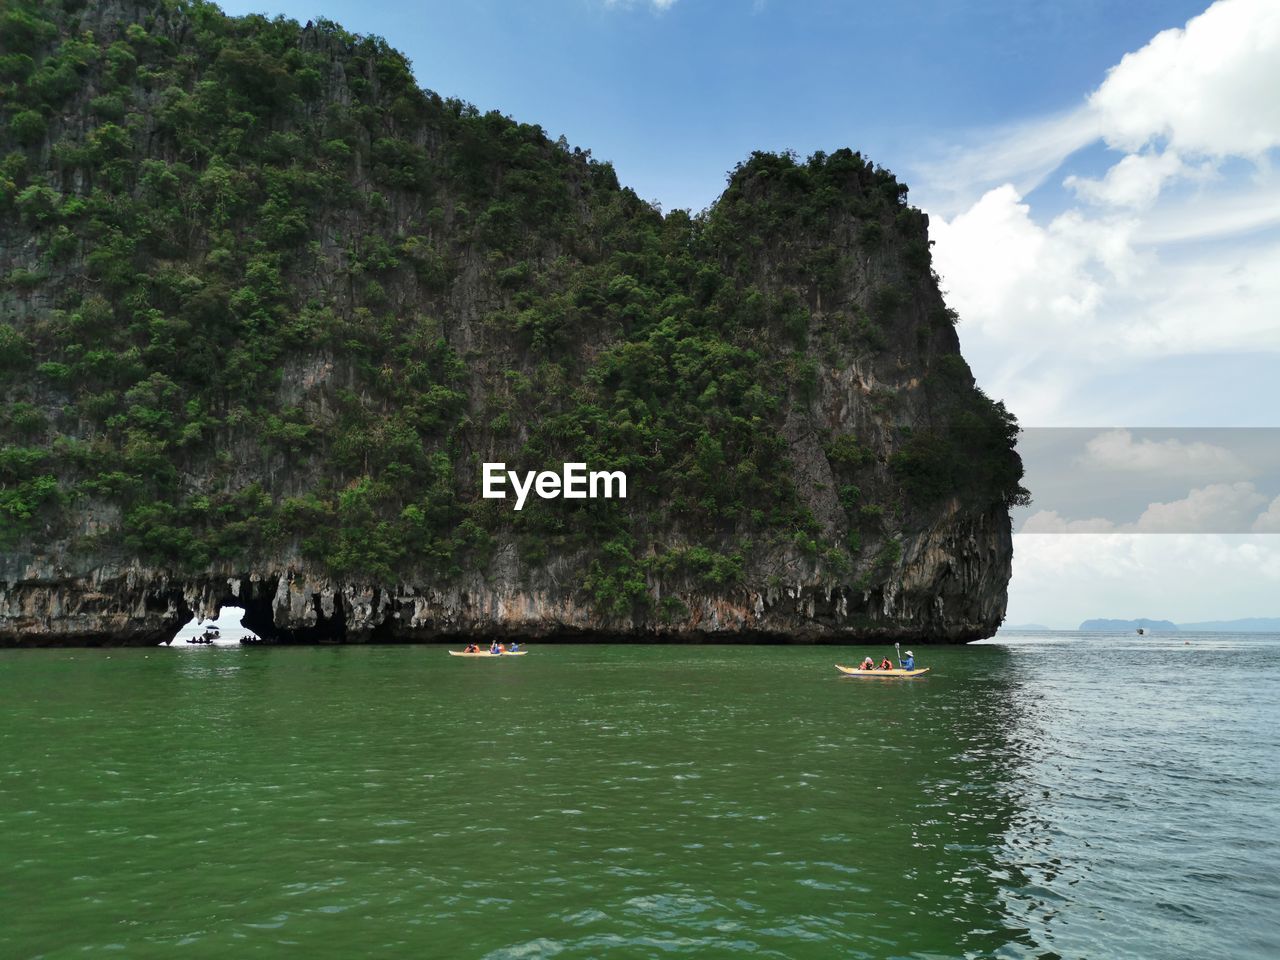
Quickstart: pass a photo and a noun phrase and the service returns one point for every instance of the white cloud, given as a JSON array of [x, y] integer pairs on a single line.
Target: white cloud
[[1117, 450], [1083, 290], [1135, 181], [1016, 279], [1050, 521], [1207, 89], [1223, 300], [1203, 90], [1217, 508], [1269, 520], [1021, 155], [1060, 580], [1236, 208], [1158, 255], [1097, 285]]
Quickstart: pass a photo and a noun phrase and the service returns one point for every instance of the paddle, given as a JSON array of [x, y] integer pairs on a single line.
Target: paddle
[[897, 652]]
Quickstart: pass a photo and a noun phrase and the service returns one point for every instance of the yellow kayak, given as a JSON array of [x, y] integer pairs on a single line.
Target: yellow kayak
[[486, 653], [855, 672]]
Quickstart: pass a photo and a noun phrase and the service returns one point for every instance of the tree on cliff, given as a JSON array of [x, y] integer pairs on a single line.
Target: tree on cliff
[[266, 300]]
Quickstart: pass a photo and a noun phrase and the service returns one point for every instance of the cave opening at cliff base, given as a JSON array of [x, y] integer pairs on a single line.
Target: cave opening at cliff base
[[227, 622]]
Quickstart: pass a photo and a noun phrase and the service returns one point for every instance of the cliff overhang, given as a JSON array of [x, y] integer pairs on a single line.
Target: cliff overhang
[[267, 307], [947, 587]]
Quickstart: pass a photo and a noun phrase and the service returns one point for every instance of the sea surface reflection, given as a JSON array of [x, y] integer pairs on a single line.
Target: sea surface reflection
[[1086, 797]]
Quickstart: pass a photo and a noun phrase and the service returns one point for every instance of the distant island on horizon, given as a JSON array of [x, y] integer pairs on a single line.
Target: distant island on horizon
[[1155, 626], [1102, 625]]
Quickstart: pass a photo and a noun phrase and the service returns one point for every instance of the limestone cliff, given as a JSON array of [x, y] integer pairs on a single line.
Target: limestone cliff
[[267, 306]]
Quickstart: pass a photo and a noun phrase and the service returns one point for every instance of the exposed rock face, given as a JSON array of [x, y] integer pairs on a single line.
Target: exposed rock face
[[53, 606], [950, 586], [268, 306]]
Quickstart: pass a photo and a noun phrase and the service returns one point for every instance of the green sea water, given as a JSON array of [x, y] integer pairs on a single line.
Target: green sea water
[[1055, 797]]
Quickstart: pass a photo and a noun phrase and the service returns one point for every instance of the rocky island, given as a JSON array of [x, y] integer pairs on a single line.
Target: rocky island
[[267, 306]]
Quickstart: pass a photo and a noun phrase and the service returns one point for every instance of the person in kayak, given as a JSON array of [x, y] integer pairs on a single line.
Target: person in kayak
[[867, 664], [493, 647], [886, 664], [471, 648], [909, 661], [515, 646]]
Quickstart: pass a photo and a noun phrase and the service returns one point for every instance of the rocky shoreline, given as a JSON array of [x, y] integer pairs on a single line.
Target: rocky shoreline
[[948, 586]]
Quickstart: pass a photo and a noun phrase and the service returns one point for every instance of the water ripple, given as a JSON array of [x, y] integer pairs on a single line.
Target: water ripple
[[1056, 799]]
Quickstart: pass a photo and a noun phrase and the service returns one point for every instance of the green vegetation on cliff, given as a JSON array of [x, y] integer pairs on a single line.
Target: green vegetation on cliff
[[262, 296]]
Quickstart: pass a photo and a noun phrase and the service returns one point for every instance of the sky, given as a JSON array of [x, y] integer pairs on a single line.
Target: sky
[[1101, 184], [1151, 480]]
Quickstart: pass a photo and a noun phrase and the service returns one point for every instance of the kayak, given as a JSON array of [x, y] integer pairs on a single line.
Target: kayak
[[486, 653], [855, 672]]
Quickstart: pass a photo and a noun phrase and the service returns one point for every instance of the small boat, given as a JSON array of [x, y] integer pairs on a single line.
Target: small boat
[[486, 653], [855, 672]]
